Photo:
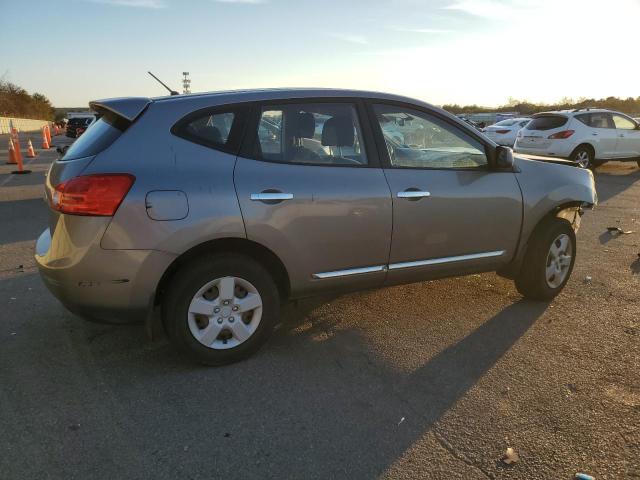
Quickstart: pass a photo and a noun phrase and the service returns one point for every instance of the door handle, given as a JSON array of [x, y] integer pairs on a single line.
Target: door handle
[[621, 135], [594, 134], [271, 196], [413, 194]]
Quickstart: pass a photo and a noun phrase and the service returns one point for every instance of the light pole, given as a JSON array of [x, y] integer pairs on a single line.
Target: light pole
[[186, 83]]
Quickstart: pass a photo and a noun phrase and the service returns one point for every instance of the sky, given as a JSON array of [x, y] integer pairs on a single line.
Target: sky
[[439, 51]]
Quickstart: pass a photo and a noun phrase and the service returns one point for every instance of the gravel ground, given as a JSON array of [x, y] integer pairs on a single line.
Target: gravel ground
[[431, 380]]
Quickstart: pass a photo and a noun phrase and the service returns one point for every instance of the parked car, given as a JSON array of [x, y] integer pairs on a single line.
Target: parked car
[[216, 208], [76, 126], [588, 136], [505, 131]]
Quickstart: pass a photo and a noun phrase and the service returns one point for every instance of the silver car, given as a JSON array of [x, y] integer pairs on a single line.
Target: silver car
[[217, 208]]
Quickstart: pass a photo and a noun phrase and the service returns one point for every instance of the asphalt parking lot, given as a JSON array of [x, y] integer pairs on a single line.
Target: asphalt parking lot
[[431, 380]]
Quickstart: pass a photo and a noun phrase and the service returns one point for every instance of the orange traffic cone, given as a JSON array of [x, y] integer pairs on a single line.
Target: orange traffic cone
[[48, 134], [21, 170], [17, 151], [30, 152], [12, 154], [45, 141]]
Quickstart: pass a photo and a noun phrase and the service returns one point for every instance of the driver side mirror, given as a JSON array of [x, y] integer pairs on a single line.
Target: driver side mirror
[[503, 158]]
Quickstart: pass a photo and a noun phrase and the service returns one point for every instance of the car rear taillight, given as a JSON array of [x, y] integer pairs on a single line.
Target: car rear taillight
[[98, 195], [503, 131], [562, 134]]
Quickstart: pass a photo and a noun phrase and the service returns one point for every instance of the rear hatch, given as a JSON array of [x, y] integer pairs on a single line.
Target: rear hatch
[[114, 121], [535, 134]]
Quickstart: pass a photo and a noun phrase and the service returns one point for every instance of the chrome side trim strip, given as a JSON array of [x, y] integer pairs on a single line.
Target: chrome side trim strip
[[436, 261], [351, 271]]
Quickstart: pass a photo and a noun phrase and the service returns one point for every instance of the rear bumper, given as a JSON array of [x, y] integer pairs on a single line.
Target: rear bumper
[[557, 148], [111, 285]]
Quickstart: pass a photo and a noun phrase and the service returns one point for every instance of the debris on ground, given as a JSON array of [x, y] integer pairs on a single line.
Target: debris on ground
[[401, 420], [588, 279], [584, 476], [618, 231], [510, 456]]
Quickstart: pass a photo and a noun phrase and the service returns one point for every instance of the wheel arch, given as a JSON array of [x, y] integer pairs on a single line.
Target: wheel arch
[[587, 145], [252, 249], [571, 211]]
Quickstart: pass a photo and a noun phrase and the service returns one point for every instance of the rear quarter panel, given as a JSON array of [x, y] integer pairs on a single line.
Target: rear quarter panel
[[162, 161]]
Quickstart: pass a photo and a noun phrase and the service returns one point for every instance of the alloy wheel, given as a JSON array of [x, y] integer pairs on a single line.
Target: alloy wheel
[[559, 260], [224, 313], [582, 159]]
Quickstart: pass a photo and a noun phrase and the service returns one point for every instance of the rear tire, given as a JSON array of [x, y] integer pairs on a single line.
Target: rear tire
[[584, 156], [221, 309], [549, 260]]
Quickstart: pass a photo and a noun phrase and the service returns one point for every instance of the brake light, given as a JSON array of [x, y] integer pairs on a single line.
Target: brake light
[[97, 195], [503, 131], [562, 134]]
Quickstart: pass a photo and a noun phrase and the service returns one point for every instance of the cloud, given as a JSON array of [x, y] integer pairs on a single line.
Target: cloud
[[246, 2], [484, 8], [133, 3], [347, 37], [433, 31]]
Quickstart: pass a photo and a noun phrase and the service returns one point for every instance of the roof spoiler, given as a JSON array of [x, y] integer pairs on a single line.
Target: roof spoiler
[[128, 108]]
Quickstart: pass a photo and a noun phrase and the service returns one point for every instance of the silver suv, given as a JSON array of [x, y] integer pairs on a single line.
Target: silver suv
[[216, 208]]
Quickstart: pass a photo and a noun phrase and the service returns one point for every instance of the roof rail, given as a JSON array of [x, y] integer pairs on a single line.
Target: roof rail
[[583, 108]]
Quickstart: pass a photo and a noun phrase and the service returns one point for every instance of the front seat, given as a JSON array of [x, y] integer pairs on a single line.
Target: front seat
[[338, 132]]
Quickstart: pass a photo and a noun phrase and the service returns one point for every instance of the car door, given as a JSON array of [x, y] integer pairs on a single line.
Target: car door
[[628, 144], [602, 133], [311, 190], [451, 213]]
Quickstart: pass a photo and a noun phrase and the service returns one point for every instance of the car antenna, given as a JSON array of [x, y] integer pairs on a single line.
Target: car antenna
[[172, 92]]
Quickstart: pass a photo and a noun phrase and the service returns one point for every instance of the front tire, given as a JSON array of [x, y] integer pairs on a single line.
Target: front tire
[[549, 260], [221, 308]]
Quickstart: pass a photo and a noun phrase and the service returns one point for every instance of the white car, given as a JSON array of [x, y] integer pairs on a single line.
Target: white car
[[505, 131], [589, 136]]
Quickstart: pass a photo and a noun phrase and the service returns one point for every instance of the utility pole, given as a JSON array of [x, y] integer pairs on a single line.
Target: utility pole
[[186, 83]]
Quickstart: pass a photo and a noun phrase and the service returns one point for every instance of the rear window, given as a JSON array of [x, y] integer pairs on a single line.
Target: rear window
[[98, 136], [506, 123], [546, 122]]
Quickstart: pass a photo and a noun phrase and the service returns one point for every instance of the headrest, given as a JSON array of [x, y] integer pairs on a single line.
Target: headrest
[[301, 124], [338, 132]]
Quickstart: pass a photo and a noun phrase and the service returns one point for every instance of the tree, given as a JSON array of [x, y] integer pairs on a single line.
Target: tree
[[16, 102]]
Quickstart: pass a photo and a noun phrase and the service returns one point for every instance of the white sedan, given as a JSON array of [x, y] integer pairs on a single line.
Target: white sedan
[[505, 131]]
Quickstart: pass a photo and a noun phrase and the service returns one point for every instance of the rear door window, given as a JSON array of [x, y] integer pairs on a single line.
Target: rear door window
[[547, 122], [311, 133], [596, 120], [100, 135]]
